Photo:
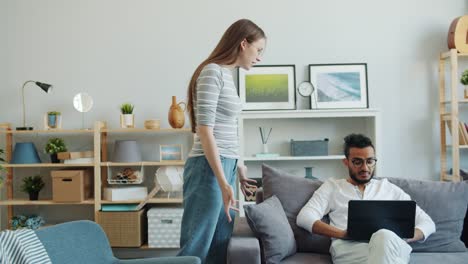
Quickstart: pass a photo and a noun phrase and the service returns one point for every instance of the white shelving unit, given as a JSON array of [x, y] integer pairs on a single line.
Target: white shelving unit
[[303, 125]]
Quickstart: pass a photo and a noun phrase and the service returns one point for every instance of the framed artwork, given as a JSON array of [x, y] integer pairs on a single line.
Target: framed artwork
[[170, 152], [267, 87], [339, 85]]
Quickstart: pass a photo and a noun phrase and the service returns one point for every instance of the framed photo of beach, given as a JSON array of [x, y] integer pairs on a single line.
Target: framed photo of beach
[[267, 87], [339, 86], [170, 152]]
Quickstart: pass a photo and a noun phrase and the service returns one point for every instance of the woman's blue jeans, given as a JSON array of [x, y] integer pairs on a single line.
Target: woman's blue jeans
[[205, 230]]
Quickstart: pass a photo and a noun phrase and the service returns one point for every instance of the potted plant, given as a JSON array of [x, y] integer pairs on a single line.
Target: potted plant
[[53, 146], [53, 119], [32, 185], [464, 81], [127, 118]]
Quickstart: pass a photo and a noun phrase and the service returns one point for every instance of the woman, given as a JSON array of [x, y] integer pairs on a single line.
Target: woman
[[210, 170]]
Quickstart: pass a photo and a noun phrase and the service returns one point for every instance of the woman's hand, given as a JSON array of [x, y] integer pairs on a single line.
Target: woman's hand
[[228, 200], [246, 183]]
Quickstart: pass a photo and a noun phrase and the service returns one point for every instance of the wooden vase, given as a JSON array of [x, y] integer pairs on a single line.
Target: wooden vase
[[176, 115]]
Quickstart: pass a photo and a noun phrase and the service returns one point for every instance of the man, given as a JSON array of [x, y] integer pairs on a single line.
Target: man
[[332, 199]]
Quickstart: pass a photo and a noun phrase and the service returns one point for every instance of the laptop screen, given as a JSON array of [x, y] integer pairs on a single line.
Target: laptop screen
[[367, 217]]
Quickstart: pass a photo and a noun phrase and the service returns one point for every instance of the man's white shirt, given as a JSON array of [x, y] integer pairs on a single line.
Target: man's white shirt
[[333, 196]]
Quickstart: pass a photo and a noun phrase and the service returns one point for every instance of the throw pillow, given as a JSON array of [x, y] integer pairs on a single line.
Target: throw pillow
[[268, 221], [294, 192], [446, 204]]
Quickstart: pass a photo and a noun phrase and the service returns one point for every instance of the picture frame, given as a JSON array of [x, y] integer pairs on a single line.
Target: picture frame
[[267, 87], [171, 152], [339, 86]]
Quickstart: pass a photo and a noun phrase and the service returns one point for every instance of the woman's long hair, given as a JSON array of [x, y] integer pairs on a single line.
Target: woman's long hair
[[226, 53]]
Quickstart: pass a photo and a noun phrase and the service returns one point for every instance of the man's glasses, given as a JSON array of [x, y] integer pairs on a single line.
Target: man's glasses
[[370, 162]]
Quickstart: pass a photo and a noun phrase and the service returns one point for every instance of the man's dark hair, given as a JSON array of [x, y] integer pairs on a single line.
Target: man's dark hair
[[356, 141]]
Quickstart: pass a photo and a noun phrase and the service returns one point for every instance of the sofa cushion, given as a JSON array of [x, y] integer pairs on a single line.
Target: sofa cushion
[[270, 225], [294, 192], [446, 204]]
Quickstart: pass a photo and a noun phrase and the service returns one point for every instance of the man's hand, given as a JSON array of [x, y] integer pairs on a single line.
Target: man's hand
[[418, 235], [245, 181]]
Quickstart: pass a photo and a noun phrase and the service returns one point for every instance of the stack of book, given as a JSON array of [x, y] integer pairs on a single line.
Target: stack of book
[[78, 157], [462, 132]]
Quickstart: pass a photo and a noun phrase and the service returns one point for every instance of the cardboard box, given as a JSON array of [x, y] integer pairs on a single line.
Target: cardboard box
[[124, 229], [75, 155], [164, 227], [71, 185], [125, 193]]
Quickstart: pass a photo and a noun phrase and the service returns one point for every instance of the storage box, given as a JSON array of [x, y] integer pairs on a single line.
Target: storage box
[[71, 185], [124, 229], [309, 147], [125, 193], [164, 227]]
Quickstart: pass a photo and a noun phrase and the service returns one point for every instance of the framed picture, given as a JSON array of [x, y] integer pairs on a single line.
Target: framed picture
[[170, 152], [268, 87], [339, 85]]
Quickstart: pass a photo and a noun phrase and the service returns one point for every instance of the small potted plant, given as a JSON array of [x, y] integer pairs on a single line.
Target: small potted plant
[[53, 119], [53, 146], [127, 119], [464, 81], [32, 185]]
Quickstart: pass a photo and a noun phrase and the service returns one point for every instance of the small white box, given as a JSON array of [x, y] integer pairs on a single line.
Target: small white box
[[125, 193], [164, 227]]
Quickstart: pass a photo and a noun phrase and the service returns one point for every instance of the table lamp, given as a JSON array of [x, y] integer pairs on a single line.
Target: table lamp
[[46, 88]]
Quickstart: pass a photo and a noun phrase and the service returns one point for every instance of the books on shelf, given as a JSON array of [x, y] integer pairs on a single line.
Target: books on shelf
[[75, 155], [79, 161], [462, 132]]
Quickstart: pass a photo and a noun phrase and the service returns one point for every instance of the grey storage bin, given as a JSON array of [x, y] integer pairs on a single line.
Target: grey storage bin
[[309, 147]]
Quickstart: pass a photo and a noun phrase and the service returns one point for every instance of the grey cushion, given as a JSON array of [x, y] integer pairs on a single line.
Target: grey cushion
[[446, 204], [294, 192], [306, 258], [437, 258], [270, 225]]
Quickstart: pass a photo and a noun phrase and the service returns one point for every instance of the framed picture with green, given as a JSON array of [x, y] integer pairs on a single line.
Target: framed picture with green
[[267, 87]]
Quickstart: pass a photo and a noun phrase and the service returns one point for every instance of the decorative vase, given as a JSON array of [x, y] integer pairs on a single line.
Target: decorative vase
[[127, 120], [176, 114], [52, 120], [466, 91], [54, 158], [308, 172], [33, 196]]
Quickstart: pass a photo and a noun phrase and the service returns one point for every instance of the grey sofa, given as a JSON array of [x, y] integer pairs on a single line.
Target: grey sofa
[[85, 242], [445, 202]]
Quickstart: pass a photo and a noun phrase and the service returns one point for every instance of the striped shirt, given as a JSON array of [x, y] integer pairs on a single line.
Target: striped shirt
[[217, 105]]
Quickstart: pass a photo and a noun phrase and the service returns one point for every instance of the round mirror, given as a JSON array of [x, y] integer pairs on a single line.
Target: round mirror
[[83, 102]]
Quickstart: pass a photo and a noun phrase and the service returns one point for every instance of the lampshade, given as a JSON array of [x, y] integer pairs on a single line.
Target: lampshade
[[45, 86], [25, 152], [126, 151], [170, 178]]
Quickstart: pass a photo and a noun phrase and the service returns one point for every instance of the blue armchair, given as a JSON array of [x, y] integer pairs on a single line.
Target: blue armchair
[[85, 242]]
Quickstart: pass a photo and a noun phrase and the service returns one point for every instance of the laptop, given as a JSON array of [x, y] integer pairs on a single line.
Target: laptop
[[367, 217]]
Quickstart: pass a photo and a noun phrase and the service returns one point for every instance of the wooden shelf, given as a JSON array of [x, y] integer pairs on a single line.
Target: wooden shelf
[[333, 113], [144, 130], [446, 55], [43, 202], [144, 163], [47, 165], [50, 131], [330, 157], [461, 101], [150, 201]]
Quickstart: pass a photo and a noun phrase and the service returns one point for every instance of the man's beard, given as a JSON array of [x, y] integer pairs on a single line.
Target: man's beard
[[357, 180]]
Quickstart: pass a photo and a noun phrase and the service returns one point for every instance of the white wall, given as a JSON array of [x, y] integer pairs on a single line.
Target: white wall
[[145, 51]]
